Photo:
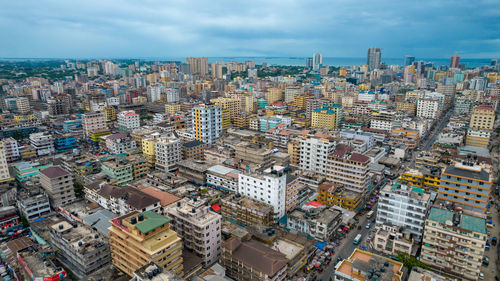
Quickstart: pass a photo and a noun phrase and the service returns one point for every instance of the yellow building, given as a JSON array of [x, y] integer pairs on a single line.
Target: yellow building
[[110, 113], [136, 239], [482, 117], [332, 194], [300, 101], [225, 118], [343, 72], [172, 108], [233, 105], [294, 152], [406, 136], [241, 121], [327, 117], [274, 94], [18, 118], [422, 178], [407, 106], [96, 136], [148, 150]]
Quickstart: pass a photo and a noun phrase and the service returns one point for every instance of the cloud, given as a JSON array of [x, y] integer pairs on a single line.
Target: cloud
[[178, 28]]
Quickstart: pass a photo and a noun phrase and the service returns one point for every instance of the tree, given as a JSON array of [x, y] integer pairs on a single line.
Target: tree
[[78, 187], [25, 222], [411, 261]]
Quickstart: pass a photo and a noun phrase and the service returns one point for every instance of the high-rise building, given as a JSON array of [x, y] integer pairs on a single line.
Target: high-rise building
[[454, 242], [128, 120], [4, 168], [23, 105], [455, 61], [269, 188], [349, 168], [93, 122], [232, 105], [273, 95], [314, 151], [409, 60], [467, 184], [317, 61], [374, 58], [207, 122], [136, 239], [198, 65], [43, 143], [58, 105], [217, 70], [327, 117], [482, 118], [428, 108], [58, 184], [167, 151], [403, 206], [199, 228], [309, 63]]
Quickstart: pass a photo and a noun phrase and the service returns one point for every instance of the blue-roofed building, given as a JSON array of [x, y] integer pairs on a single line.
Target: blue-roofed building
[[72, 126], [65, 143], [454, 242]]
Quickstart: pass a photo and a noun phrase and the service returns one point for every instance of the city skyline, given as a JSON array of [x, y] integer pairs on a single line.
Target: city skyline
[[335, 29]]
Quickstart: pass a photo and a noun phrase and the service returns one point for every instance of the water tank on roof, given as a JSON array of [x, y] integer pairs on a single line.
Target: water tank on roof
[[141, 217]]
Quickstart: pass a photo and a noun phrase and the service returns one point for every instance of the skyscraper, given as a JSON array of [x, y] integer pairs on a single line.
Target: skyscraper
[[373, 59], [198, 65], [317, 61], [409, 60], [309, 62], [207, 122], [454, 61]]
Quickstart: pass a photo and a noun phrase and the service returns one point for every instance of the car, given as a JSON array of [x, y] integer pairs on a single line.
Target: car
[[368, 225], [481, 275], [486, 261]]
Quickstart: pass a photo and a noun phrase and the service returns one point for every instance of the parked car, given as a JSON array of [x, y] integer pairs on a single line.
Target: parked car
[[368, 225]]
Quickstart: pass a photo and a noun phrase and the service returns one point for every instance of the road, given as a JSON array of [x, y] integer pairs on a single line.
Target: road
[[426, 145], [347, 247]]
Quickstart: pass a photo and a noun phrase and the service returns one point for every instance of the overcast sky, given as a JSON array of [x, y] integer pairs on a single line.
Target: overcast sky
[[166, 28]]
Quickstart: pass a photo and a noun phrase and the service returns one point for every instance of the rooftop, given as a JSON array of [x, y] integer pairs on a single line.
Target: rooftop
[[151, 222], [54, 172], [466, 222], [469, 171]]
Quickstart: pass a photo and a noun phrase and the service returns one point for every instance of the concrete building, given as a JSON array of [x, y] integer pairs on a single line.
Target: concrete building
[[193, 150], [58, 184], [4, 167], [222, 177], [349, 169], [454, 243], [391, 240], [119, 143], [23, 105], [482, 118], [402, 206], [327, 117], [11, 149], [383, 120], [245, 211], [128, 120], [428, 108], [313, 152], [138, 238], [43, 143], [477, 137], [121, 200], [119, 171], [93, 122], [273, 95], [373, 59], [33, 205], [167, 152], [466, 184], [268, 187], [255, 154], [199, 228], [198, 65], [81, 248], [319, 224], [232, 105], [332, 194], [153, 272], [207, 122], [363, 266], [252, 260]]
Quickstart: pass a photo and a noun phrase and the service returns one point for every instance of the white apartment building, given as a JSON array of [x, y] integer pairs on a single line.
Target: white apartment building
[[199, 228], [23, 105], [291, 92], [366, 96], [93, 122], [113, 101], [207, 122], [11, 149], [172, 96], [168, 151], [436, 96], [4, 168], [401, 205], [119, 143], [254, 124], [128, 120], [34, 206], [428, 108], [314, 151], [154, 92], [349, 168], [223, 177], [42, 143], [383, 120], [268, 187]]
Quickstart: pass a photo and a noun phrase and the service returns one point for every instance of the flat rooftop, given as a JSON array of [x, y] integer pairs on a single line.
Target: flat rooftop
[[290, 250]]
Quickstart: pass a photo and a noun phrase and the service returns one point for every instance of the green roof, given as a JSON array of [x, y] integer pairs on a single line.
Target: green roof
[[440, 215], [473, 224], [418, 190], [151, 222]]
